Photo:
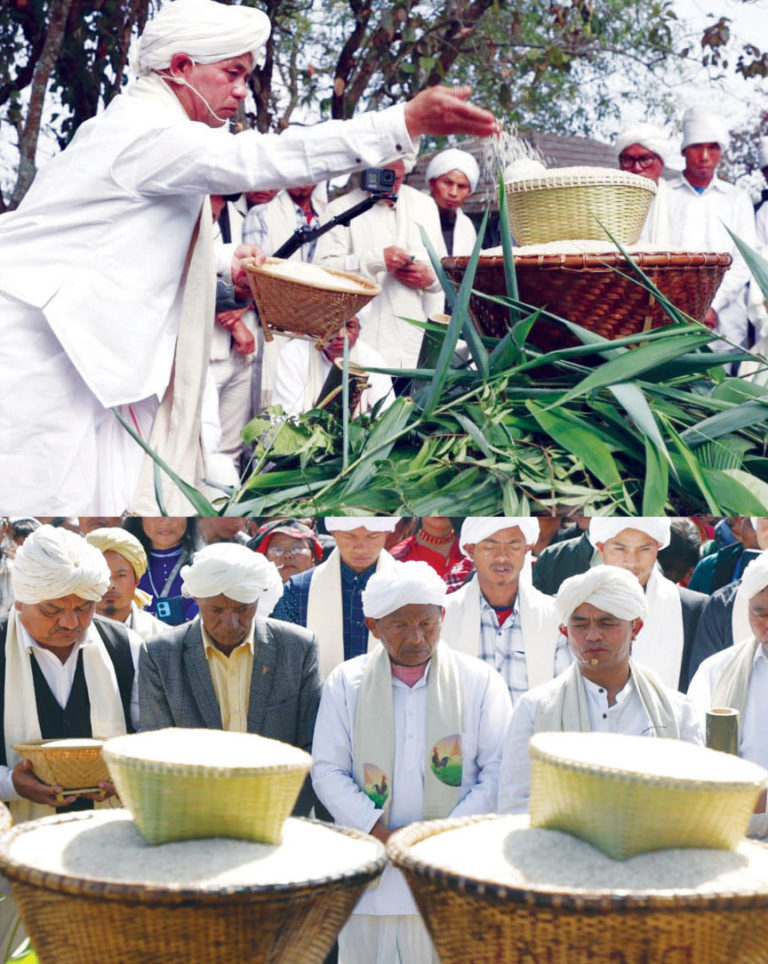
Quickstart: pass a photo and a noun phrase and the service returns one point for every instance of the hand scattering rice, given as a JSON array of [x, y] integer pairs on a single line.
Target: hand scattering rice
[[312, 274], [206, 748], [108, 847], [506, 851]]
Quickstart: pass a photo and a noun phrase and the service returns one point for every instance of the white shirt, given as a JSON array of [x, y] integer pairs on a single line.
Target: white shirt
[[625, 716], [486, 713], [144, 623], [60, 677]]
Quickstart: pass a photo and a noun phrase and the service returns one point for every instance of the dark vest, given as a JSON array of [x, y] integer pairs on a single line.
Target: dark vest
[[74, 720]]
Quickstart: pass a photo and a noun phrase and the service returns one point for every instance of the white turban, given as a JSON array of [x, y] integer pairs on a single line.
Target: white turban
[[610, 588], [476, 528], [701, 126], [400, 585], [648, 136], [453, 160], [122, 541], [205, 30], [53, 563], [762, 152], [602, 529], [234, 571], [755, 577], [345, 523]]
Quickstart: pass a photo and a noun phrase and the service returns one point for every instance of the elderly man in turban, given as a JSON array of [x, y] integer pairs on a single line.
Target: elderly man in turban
[[123, 318], [124, 601], [666, 642], [409, 731], [65, 671], [737, 677], [232, 668], [643, 149], [451, 177], [605, 690], [328, 598], [498, 615], [702, 208]]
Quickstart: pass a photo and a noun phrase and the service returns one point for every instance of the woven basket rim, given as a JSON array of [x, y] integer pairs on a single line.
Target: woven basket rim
[[672, 259], [580, 177], [204, 770], [399, 851], [142, 893], [89, 750], [371, 288]]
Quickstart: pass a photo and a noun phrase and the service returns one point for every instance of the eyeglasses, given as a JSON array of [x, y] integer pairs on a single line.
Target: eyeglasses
[[278, 553], [643, 161]]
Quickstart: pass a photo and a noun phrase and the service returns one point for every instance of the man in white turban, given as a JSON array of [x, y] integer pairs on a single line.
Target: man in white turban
[[123, 600], [328, 598], [643, 149], [605, 690], [232, 668], [451, 178], [666, 641], [498, 615], [123, 318], [411, 730], [701, 209]]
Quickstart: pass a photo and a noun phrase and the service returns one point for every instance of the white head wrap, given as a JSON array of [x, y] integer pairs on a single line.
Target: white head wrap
[[610, 588], [755, 577], [648, 136], [476, 528], [53, 563], [400, 585], [122, 541], [453, 160], [233, 571], [602, 529], [762, 152], [335, 523], [205, 30], [701, 126]]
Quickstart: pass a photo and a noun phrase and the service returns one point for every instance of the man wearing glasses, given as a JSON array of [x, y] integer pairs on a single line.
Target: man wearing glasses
[[643, 150]]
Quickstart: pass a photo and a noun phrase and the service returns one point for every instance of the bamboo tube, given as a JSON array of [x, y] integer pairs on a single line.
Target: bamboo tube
[[723, 729]]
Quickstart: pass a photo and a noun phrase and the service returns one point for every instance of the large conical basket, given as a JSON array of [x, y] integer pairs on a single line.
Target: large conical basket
[[81, 917], [474, 919]]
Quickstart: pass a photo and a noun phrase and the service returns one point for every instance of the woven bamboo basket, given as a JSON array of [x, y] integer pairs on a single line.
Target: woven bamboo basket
[[628, 795], [472, 919], [5, 818], [578, 202], [71, 764], [179, 801], [597, 292], [299, 308], [78, 918]]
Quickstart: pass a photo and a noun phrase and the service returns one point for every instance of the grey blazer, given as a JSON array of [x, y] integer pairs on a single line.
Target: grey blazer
[[175, 687]]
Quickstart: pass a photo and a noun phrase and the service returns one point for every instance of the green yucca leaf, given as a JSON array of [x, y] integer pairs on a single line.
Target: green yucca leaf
[[757, 264]]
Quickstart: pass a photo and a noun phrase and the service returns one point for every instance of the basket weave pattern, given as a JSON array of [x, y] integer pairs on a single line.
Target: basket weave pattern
[[299, 308], [560, 206], [170, 802], [485, 923], [68, 767]]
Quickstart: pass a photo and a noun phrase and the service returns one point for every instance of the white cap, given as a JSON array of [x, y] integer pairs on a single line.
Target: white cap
[[402, 584], [701, 126]]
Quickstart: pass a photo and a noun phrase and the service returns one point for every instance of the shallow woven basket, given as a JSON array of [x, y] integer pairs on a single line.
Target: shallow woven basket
[[184, 801], [5, 818], [625, 813], [594, 291], [76, 920], [477, 921], [70, 767], [299, 308], [571, 202]]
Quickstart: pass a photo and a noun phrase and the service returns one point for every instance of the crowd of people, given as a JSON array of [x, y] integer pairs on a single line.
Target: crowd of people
[[413, 658]]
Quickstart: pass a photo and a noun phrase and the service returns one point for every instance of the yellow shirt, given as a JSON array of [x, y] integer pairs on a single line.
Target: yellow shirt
[[231, 677]]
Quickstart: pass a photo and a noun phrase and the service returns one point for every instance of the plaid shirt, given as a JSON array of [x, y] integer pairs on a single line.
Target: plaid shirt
[[502, 647]]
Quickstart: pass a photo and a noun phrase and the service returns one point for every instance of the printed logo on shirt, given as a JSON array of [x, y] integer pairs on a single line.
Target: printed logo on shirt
[[376, 784], [446, 760]]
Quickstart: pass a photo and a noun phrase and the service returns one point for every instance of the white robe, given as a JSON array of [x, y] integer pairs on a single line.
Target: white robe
[[360, 248], [90, 266]]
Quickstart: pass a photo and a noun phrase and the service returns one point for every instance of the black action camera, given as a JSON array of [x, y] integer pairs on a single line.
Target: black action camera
[[377, 180]]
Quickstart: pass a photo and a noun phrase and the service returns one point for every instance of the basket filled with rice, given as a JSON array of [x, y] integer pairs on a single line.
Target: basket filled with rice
[[494, 889], [74, 764], [300, 298], [90, 889], [185, 783]]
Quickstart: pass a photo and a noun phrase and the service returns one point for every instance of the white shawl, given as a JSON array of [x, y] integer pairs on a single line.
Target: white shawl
[[659, 644]]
